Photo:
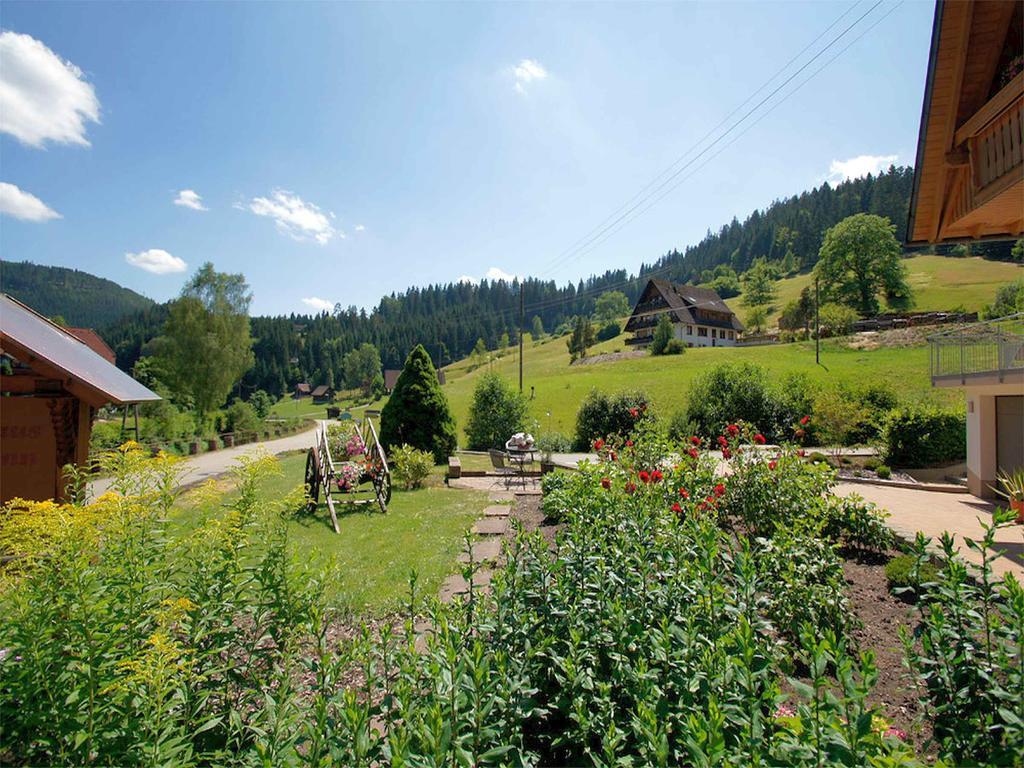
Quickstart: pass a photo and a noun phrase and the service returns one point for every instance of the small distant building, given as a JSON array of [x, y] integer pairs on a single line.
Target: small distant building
[[323, 394], [391, 378], [302, 389], [699, 316], [51, 386], [969, 185]]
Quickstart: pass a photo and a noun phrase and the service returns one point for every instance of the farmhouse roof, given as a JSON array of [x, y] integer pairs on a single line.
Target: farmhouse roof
[[322, 390], [391, 377], [34, 340], [303, 387], [95, 342], [686, 301]]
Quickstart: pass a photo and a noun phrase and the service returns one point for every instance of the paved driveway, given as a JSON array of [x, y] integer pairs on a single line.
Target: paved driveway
[[199, 468], [931, 513]]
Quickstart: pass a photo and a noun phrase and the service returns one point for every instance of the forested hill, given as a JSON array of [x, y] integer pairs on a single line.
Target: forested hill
[[83, 300], [449, 319]]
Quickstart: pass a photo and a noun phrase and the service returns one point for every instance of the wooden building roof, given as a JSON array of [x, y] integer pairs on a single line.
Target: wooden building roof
[[53, 352], [689, 304], [95, 342], [969, 174]]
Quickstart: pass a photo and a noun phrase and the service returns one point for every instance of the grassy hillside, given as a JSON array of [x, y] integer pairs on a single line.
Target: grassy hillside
[[80, 298], [939, 283], [559, 388]]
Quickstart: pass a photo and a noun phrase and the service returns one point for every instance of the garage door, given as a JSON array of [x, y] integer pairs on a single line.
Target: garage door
[[1010, 432]]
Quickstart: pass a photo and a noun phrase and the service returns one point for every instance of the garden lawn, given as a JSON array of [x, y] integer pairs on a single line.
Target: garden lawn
[[374, 553], [289, 407], [559, 387], [940, 283]]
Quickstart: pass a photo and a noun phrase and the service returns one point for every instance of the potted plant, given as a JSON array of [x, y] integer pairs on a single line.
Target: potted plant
[[548, 444], [1010, 486]]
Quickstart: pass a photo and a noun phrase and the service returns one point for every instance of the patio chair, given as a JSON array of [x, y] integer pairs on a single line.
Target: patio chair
[[499, 461]]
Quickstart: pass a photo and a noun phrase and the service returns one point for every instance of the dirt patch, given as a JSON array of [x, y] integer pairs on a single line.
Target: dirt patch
[[527, 512], [881, 614], [896, 337], [610, 357]]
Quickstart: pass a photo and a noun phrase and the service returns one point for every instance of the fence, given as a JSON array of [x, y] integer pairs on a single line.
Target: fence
[[994, 346]]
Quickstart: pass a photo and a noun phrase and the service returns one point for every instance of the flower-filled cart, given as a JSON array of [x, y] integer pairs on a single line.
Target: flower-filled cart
[[347, 465]]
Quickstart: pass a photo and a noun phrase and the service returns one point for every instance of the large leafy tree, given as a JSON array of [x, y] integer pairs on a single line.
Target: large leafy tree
[[361, 366], [610, 306], [206, 347], [498, 411], [417, 413], [860, 259], [759, 284]]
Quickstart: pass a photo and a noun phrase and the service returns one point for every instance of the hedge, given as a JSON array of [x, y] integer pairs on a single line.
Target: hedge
[[915, 437]]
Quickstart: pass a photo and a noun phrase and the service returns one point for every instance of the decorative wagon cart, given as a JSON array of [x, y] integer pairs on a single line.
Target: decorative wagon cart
[[347, 465]]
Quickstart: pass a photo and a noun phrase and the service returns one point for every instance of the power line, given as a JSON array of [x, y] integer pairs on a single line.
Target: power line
[[575, 252]]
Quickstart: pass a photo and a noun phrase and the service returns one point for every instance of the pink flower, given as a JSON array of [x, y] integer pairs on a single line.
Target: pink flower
[[656, 476], [726, 453], [805, 420], [722, 442], [896, 733], [644, 476], [693, 453], [719, 490], [630, 487], [629, 443], [598, 444], [606, 483], [684, 493], [733, 430], [634, 412], [676, 508], [695, 440], [773, 464], [759, 439], [801, 453]]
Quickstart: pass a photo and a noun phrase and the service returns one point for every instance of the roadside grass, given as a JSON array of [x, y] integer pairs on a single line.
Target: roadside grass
[[939, 282], [374, 554], [303, 408]]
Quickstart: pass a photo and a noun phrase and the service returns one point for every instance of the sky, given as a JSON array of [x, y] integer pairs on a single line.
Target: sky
[[338, 152]]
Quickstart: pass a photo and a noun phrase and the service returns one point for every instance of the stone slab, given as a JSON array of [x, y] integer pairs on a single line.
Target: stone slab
[[487, 550], [498, 510], [455, 585], [490, 526]]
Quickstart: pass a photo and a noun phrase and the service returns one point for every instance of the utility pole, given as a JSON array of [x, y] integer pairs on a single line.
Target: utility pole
[[521, 331], [817, 326]]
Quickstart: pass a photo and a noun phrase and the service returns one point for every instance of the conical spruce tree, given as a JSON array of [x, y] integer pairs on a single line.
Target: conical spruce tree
[[417, 413]]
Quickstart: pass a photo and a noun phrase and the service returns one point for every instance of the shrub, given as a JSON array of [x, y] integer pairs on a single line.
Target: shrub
[[836, 320], [417, 413], [674, 347], [609, 331], [907, 572], [872, 463], [410, 466], [883, 472], [966, 653], [732, 392], [556, 495], [261, 403], [921, 437], [857, 523], [609, 416], [837, 417], [554, 442], [497, 412], [680, 428], [816, 457], [240, 416]]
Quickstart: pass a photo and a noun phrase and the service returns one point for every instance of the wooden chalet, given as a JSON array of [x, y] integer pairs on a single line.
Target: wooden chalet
[[969, 185], [323, 394], [699, 316], [391, 378], [302, 389], [969, 175], [51, 386]]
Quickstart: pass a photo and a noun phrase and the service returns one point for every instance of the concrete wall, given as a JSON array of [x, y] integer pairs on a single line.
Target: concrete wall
[[702, 341], [982, 467]]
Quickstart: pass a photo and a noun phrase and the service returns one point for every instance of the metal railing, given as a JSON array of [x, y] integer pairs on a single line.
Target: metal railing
[[990, 347]]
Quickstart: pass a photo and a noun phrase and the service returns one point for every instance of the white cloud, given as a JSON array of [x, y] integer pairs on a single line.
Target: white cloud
[[295, 217], [319, 305], [42, 97], [525, 72], [23, 205], [855, 167], [493, 274], [189, 198], [157, 261], [359, 228]]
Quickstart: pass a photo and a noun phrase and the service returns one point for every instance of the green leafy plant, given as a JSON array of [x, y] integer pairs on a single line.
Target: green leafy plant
[[603, 416], [410, 466], [497, 412], [921, 437], [907, 573], [883, 472]]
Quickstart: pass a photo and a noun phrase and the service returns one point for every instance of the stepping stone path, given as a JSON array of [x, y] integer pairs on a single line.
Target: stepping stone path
[[485, 550]]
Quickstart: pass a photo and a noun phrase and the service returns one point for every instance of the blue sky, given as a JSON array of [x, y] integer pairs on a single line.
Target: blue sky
[[343, 151]]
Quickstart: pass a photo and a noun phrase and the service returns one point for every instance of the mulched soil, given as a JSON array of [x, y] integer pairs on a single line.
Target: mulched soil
[[526, 510], [881, 614]]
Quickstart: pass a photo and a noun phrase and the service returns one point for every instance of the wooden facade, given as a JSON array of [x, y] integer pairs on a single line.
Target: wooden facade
[[699, 316], [51, 386], [969, 175]]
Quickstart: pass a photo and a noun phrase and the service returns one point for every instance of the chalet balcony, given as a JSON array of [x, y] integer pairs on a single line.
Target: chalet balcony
[[982, 353], [634, 340]]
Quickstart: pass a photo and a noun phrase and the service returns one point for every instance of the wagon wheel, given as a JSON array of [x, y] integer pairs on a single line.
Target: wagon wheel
[[313, 478], [382, 487]]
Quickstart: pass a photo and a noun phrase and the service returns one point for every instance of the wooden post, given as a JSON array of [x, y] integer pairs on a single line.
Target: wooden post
[[817, 325], [522, 330]]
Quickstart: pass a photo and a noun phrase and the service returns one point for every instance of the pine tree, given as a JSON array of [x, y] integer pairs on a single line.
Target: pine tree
[[417, 413], [662, 335]]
